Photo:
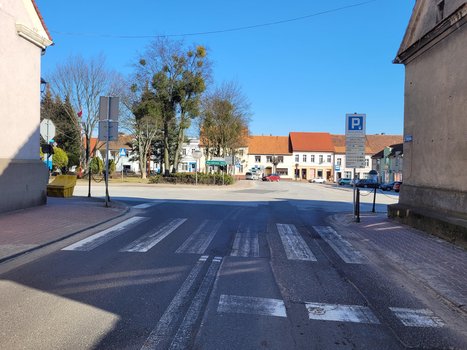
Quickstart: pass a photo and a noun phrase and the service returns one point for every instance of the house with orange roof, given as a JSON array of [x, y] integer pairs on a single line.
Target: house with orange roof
[[23, 176], [313, 155], [373, 145], [269, 155]]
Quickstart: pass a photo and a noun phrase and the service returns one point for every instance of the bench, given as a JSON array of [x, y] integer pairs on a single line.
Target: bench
[[62, 186]]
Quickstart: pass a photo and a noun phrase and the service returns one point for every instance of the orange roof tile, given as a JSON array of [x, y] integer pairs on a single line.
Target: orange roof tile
[[374, 143], [268, 145], [311, 141]]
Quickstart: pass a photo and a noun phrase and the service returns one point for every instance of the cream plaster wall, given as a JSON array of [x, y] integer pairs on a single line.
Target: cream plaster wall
[[436, 117], [20, 87]]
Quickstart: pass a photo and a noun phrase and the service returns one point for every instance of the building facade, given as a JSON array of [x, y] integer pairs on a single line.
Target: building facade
[[23, 176], [434, 51]]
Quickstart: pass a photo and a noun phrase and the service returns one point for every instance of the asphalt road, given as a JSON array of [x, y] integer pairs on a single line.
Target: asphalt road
[[252, 267]]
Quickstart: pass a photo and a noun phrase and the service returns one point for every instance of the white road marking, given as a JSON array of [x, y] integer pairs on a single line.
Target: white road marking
[[251, 305], [161, 333], [341, 246], [341, 313], [97, 239], [387, 228], [376, 224], [294, 245], [146, 205], [186, 331], [146, 242], [199, 240], [417, 317], [246, 244]]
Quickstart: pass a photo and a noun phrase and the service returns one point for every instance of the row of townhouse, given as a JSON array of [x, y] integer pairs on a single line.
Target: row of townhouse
[[298, 156], [309, 155]]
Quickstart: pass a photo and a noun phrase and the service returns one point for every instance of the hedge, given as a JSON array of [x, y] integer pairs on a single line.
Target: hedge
[[190, 178]]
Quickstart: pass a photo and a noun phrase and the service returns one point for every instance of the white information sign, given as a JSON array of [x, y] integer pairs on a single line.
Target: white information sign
[[355, 131], [47, 129]]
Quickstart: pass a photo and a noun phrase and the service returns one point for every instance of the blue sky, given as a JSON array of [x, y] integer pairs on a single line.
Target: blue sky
[[302, 75]]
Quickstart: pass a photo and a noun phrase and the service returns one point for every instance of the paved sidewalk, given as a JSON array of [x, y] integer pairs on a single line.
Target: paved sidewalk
[[28, 229], [436, 263]]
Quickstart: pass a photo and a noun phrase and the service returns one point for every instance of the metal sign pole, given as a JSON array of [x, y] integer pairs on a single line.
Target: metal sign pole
[[107, 199]]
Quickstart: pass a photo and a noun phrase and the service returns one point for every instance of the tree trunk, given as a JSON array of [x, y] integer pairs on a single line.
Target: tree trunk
[[166, 150], [181, 135]]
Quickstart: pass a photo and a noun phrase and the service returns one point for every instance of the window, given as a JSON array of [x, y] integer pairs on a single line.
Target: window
[[304, 158], [348, 174], [321, 159], [240, 152], [280, 159], [367, 162], [184, 151], [257, 159], [312, 158], [329, 158], [269, 159], [282, 171], [297, 158], [339, 161]]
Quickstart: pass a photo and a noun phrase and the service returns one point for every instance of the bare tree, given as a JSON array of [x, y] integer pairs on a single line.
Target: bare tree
[[83, 81], [224, 121]]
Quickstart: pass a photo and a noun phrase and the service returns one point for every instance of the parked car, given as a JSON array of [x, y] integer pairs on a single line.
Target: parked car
[[318, 180], [367, 183], [387, 186], [397, 186], [251, 176], [272, 177], [344, 181]]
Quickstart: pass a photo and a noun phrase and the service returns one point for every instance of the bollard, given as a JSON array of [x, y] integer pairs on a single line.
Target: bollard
[[357, 206]]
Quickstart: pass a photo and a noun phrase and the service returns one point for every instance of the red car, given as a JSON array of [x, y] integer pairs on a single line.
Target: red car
[[397, 186], [271, 177]]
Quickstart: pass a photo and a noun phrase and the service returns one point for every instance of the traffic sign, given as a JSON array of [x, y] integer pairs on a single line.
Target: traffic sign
[[355, 125], [355, 128], [108, 130], [108, 108], [47, 129], [122, 152]]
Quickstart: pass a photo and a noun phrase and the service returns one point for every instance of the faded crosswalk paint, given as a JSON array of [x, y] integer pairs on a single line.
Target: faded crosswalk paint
[[163, 330], [341, 246], [186, 331], [417, 317], [199, 240], [294, 245], [146, 242], [246, 244], [342, 313], [97, 239], [251, 305]]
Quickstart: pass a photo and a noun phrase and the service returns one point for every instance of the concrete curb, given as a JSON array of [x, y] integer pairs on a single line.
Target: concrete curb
[[40, 246]]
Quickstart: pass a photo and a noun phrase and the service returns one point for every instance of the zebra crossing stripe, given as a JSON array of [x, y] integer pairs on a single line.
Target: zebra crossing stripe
[[342, 313], [251, 305], [341, 246], [199, 240], [294, 245], [246, 244], [161, 333], [97, 239], [146, 242], [417, 317], [146, 205]]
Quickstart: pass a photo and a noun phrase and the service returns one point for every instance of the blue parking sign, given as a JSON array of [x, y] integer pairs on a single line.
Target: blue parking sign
[[355, 124]]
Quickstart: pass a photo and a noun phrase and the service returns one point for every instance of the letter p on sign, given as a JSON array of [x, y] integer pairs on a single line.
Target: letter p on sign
[[356, 123]]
